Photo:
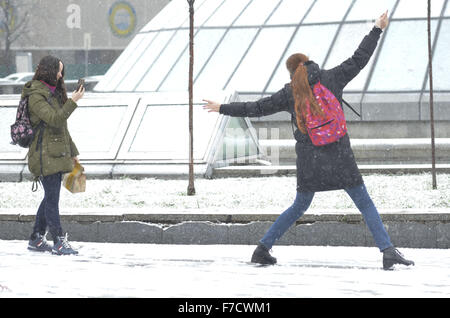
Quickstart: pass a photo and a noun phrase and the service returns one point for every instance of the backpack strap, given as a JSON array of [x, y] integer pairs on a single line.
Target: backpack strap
[[292, 124], [35, 184], [343, 100], [348, 105], [41, 127]]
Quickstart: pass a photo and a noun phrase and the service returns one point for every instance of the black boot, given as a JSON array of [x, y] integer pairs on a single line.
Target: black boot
[[261, 255], [392, 256]]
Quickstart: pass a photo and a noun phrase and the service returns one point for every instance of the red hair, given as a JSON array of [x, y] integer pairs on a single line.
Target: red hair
[[300, 89]]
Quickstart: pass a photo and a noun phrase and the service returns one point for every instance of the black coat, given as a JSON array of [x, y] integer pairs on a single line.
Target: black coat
[[319, 168]]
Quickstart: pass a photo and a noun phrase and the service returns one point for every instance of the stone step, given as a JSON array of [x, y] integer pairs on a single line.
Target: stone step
[[369, 151], [283, 170], [282, 129]]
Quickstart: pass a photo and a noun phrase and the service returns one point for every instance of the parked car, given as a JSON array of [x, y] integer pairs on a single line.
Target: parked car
[[17, 78], [89, 84], [94, 78]]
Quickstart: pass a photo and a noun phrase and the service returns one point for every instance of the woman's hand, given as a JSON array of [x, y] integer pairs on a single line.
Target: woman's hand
[[77, 95], [383, 21], [75, 160], [211, 106]]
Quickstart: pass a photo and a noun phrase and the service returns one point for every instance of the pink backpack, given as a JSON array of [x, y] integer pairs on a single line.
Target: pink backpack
[[324, 130], [22, 132]]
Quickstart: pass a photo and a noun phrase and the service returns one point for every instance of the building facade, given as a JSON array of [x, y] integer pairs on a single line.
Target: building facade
[[87, 35]]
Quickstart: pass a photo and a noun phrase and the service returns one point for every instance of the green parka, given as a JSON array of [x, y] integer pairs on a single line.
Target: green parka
[[57, 149]]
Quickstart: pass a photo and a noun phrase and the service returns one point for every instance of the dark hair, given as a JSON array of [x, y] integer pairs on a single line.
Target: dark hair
[[47, 71]]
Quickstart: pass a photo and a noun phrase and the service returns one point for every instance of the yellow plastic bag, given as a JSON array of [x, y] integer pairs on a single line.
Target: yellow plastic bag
[[75, 181]]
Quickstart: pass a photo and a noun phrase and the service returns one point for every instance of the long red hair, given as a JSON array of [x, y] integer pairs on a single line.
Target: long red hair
[[300, 89]]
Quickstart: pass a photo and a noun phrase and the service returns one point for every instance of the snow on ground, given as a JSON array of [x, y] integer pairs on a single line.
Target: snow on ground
[[146, 270], [246, 194]]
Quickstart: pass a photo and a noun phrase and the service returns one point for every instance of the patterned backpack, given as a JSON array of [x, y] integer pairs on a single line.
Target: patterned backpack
[[324, 130], [22, 133]]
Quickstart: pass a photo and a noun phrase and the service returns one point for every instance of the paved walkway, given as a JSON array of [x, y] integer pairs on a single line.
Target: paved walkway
[[149, 270]]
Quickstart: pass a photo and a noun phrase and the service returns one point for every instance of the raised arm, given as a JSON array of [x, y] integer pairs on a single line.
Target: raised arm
[[346, 71], [53, 116]]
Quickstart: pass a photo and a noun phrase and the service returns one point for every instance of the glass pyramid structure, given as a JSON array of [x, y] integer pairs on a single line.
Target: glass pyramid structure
[[141, 134], [243, 45], [240, 46]]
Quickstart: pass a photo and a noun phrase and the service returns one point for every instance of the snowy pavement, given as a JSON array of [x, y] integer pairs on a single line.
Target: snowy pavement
[[192, 271]]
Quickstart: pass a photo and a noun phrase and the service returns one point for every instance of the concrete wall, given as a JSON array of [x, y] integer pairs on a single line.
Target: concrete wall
[[362, 129], [67, 28], [63, 24], [406, 230]]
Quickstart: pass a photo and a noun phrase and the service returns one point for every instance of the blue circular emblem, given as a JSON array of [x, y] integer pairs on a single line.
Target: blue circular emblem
[[122, 18]]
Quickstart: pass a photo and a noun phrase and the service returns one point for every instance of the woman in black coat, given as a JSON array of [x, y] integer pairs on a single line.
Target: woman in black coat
[[319, 168]]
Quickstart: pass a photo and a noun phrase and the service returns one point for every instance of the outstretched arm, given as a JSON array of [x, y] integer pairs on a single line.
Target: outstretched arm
[[262, 107], [351, 67], [211, 106]]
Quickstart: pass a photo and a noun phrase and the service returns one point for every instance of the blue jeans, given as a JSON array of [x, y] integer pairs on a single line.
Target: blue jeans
[[48, 212], [302, 202]]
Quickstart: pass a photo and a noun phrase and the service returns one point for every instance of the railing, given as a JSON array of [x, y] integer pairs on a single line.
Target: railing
[[71, 85]]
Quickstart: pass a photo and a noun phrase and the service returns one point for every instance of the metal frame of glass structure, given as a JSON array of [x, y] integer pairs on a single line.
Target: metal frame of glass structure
[[260, 35], [243, 45], [142, 134]]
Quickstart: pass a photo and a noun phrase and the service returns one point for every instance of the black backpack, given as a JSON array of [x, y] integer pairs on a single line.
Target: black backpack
[[22, 132]]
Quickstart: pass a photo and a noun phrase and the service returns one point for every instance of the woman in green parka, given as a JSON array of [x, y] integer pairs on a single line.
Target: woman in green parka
[[52, 152]]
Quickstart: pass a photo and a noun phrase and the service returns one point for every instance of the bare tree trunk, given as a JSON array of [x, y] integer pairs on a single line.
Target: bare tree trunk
[[6, 56], [15, 15], [191, 188], [5, 7], [430, 69]]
